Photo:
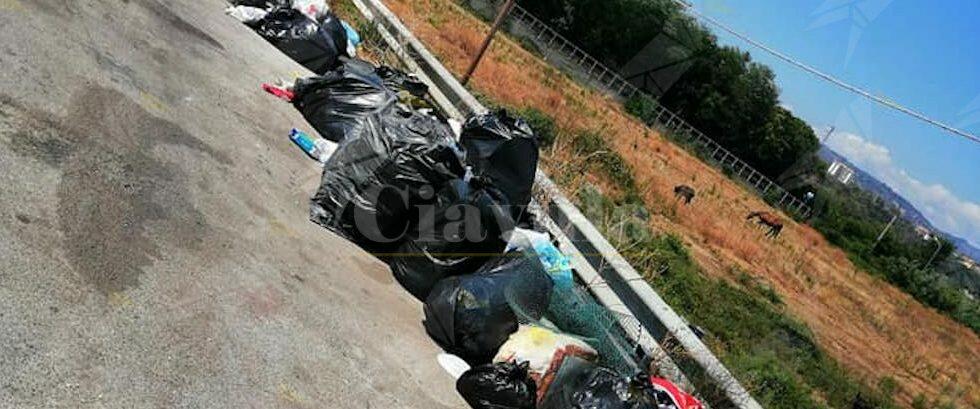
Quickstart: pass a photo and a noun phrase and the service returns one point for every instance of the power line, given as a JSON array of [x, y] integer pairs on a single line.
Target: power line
[[831, 79]]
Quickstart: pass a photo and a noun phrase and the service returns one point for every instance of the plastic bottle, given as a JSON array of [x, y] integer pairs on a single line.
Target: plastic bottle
[[317, 148]]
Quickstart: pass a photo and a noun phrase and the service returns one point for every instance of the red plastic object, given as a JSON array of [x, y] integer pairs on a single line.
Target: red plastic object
[[281, 93], [682, 399]]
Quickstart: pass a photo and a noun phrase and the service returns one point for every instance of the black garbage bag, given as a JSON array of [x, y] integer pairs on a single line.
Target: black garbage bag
[[337, 103], [398, 80], [471, 316], [375, 181], [316, 46], [503, 149], [261, 3], [505, 385], [458, 234], [580, 384]]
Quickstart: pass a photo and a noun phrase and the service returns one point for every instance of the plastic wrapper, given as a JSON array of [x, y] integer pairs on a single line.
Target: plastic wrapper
[[580, 384], [460, 232], [504, 150], [316, 46], [498, 386], [472, 316], [387, 168]]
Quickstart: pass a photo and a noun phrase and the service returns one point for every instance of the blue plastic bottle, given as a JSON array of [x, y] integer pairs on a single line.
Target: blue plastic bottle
[[316, 148]]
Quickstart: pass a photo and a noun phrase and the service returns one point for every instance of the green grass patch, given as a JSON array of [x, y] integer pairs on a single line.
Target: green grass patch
[[542, 124]]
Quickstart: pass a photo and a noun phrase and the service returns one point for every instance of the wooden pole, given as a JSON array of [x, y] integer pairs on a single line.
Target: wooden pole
[[486, 42]]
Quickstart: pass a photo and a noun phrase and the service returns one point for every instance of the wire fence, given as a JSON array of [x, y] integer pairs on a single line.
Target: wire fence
[[587, 69]]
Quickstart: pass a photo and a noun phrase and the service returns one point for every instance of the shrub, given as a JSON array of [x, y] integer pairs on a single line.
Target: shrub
[[592, 145], [643, 107], [542, 124]]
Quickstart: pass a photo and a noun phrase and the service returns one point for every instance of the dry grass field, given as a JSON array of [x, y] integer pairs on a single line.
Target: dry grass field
[[872, 328]]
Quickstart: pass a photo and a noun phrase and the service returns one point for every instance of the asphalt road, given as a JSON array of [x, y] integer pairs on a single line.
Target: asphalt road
[[154, 243]]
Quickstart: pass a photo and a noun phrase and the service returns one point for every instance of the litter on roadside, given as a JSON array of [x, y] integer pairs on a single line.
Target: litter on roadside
[[444, 203], [503, 150], [318, 149], [373, 184], [556, 264], [246, 14], [338, 102], [461, 231], [544, 351], [315, 46], [453, 365], [471, 316], [504, 385], [579, 383]]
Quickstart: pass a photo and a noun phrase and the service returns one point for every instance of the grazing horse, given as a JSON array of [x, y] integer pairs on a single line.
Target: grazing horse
[[684, 192], [768, 219]]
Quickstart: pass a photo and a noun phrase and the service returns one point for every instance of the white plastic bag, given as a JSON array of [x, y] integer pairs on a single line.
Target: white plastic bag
[[540, 347], [246, 14], [314, 9]]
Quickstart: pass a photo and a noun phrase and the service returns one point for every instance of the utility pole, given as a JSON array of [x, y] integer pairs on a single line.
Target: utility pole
[[885, 230], [508, 6], [830, 132]]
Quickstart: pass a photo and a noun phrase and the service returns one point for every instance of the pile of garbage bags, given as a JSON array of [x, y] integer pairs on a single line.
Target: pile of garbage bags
[[305, 30], [446, 207]]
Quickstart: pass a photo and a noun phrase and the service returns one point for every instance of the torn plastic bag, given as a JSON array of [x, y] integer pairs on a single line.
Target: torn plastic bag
[[580, 384], [498, 386], [472, 316], [505, 150], [336, 103], [315, 46], [458, 234], [378, 177]]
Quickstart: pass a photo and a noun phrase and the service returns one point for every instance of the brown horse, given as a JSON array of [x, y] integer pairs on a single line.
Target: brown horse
[[684, 192], [768, 219]]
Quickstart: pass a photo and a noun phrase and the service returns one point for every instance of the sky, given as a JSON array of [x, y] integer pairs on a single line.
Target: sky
[[922, 54]]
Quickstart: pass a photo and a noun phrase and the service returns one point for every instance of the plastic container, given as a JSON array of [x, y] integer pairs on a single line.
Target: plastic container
[[318, 149]]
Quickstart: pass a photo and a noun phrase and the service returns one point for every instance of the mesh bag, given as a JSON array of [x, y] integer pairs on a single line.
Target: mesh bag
[[572, 310]]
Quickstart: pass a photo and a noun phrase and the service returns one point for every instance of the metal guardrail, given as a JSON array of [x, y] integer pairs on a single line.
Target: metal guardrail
[[602, 77], [610, 278]]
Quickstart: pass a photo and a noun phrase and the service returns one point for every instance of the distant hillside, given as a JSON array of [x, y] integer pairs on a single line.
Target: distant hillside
[[868, 182]]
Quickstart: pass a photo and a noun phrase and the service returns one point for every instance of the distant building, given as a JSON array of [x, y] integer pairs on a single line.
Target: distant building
[[966, 261], [843, 173], [923, 232]]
